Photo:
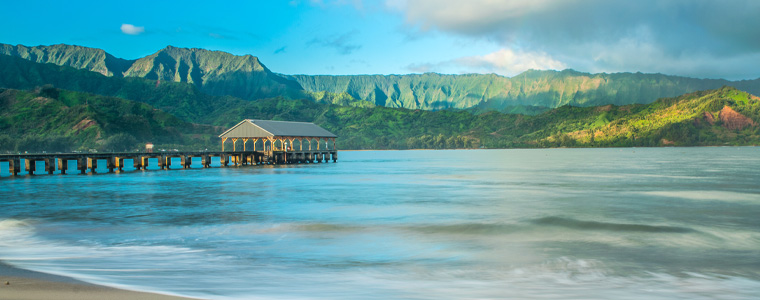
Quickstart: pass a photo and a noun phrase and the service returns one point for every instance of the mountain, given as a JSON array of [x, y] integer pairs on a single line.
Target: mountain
[[213, 72], [51, 119], [245, 77], [79, 57], [41, 108], [724, 116], [532, 88]]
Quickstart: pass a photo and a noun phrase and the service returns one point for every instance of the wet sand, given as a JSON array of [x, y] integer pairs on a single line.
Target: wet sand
[[20, 284]]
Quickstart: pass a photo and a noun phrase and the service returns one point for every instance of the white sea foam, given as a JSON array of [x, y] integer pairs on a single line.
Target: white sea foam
[[727, 196]]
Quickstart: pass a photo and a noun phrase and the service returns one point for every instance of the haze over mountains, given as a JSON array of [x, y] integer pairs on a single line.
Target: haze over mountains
[[220, 73]]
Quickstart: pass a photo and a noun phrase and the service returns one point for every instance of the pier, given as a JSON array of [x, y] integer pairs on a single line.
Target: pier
[[115, 162], [278, 142]]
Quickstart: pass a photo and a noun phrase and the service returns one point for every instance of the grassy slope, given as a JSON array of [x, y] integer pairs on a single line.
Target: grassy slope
[[691, 119]]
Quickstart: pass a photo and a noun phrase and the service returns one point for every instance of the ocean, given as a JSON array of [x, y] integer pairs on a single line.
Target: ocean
[[620, 223]]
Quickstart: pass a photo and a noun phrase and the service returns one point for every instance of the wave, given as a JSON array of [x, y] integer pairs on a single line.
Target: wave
[[470, 228], [148, 268], [606, 226], [553, 221], [706, 195]]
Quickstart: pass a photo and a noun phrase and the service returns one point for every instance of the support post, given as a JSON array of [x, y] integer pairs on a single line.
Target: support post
[[245, 140], [223, 140], [14, 166], [82, 165], [234, 141], [119, 162], [30, 166], [206, 161], [137, 162], [92, 164], [110, 164], [50, 165]]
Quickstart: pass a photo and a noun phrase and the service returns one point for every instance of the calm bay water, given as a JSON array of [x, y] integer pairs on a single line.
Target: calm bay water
[[663, 223]]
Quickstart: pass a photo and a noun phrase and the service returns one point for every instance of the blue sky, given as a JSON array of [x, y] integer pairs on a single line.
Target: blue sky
[[696, 38]]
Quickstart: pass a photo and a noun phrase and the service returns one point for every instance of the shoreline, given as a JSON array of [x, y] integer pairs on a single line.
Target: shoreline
[[31, 285]]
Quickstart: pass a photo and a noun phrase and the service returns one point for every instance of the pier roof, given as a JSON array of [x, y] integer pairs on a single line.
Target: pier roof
[[251, 128]]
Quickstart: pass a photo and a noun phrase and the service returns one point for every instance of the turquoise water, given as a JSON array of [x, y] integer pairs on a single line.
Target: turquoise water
[[661, 223]]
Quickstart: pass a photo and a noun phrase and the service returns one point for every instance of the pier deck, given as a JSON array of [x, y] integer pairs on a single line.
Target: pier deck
[[88, 162]]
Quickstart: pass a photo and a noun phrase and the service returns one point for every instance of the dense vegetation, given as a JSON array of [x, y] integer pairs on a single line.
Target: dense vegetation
[[57, 120], [47, 107], [50, 119], [524, 93], [245, 77], [210, 72]]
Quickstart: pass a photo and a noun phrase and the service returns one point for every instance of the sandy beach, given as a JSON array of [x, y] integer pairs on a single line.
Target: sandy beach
[[20, 284]]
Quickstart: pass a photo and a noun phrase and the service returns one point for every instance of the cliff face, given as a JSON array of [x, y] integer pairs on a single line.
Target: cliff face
[[733, 120], [215, 72], [221, 74], [532, 88], [90, 59]]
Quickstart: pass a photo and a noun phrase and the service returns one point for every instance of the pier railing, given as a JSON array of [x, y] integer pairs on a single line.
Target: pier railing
[[88, 162]]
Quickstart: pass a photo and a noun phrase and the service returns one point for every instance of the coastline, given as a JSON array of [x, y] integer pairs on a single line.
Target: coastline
[[30, 285]]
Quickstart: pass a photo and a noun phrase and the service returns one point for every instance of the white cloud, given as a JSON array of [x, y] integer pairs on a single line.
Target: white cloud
[[510, 63], [505, 62], [132, 29], [679, 37]]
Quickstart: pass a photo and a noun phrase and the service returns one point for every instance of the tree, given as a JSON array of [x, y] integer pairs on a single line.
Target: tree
[[119, 142]]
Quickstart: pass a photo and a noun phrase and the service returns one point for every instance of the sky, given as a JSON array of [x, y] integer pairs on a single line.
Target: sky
[[694, 38]]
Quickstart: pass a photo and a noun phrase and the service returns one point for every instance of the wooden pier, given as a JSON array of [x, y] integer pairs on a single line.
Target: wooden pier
[[277, 140], [113, 162]]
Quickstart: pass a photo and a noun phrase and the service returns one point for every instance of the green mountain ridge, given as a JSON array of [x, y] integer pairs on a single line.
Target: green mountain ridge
[[41, 109], [224, 74], [532, 88], [91, 59], [213, 72], [51, 119]]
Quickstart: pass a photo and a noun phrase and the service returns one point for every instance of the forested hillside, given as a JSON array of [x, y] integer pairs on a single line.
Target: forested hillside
[[49, 119], [223, 74], [537, 89], [47, 107]]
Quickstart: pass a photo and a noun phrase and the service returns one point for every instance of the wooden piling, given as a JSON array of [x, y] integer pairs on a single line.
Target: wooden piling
[[50, 165], [63, 165]]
